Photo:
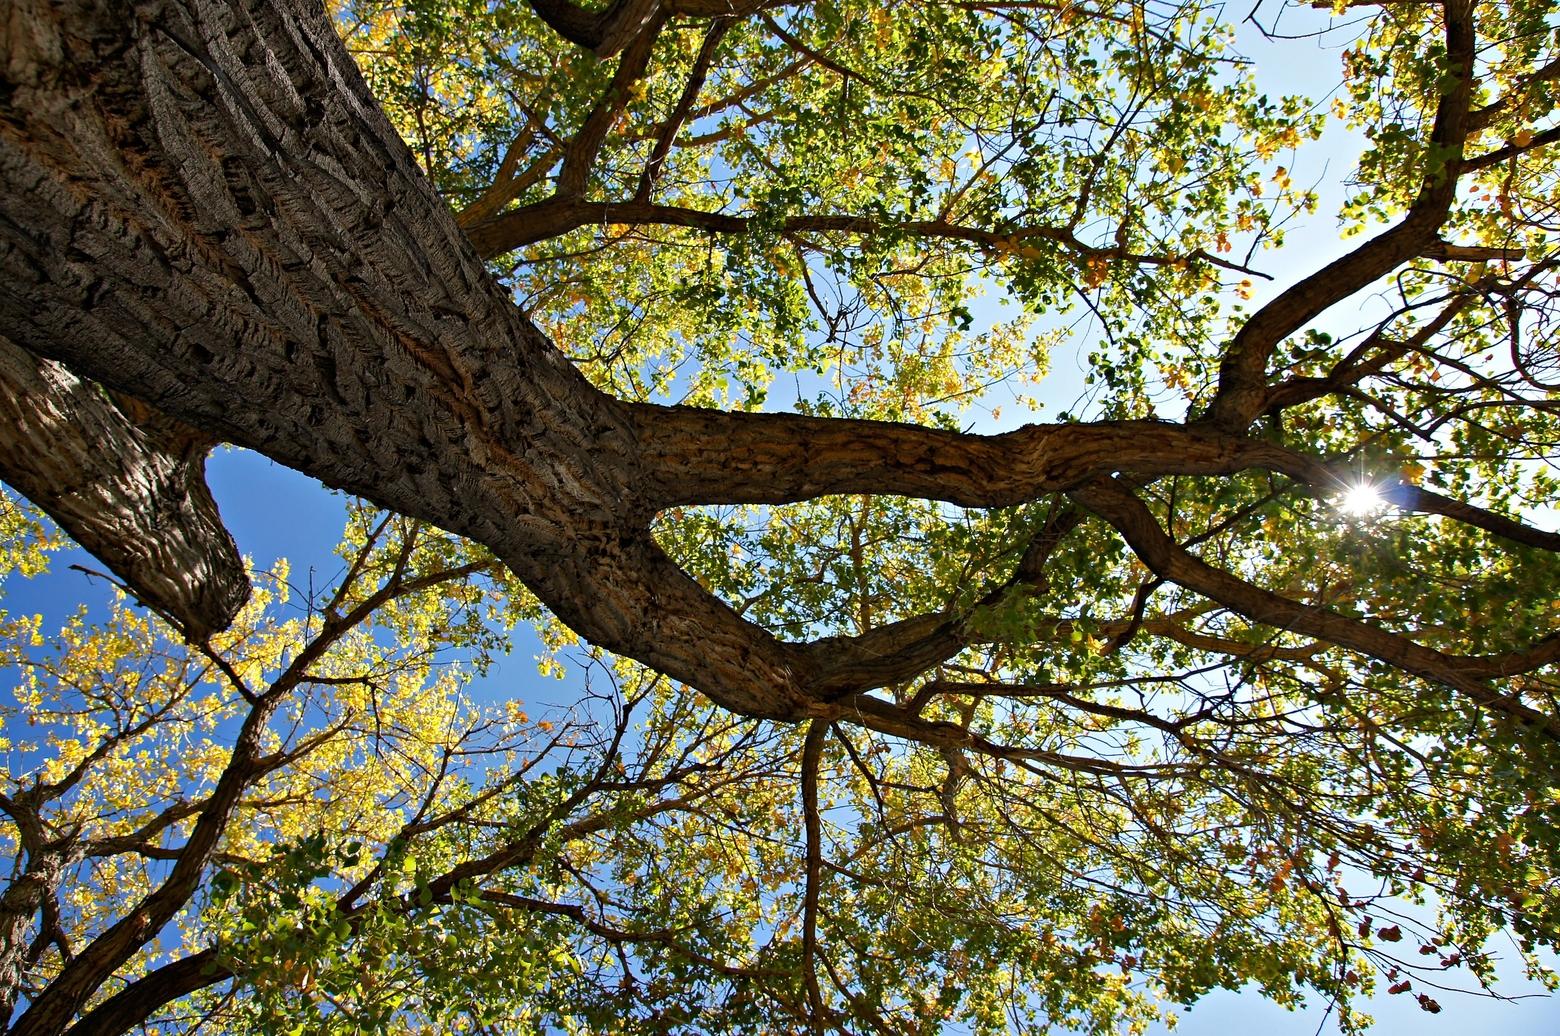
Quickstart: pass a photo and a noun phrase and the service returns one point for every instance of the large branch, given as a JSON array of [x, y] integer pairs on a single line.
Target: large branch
[[604, 33], [133, 1005], [496, 235], [698, 456], [202, 207], [133, 492], [215, 217], [241, 275], [1243, 379]]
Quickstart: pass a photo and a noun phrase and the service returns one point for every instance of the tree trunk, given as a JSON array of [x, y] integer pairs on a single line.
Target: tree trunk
[[205, 209], [201, 206]]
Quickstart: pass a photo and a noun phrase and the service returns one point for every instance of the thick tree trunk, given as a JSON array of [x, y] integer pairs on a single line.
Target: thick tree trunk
[[204, 208], [132, 491]]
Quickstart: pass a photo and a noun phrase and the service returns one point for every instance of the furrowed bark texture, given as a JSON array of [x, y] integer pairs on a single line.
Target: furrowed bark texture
[[694, 455], [202, 207], [127, 483]]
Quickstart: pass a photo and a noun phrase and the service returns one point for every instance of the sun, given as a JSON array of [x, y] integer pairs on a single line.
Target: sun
[[1361, 499]]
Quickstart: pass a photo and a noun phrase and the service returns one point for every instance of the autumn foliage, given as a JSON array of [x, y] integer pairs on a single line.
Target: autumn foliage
[[902, 688]]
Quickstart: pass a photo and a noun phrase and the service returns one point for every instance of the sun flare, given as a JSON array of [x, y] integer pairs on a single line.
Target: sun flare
[[1360, 500]]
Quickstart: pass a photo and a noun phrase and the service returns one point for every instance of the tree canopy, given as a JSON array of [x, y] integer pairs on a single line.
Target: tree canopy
[[710, 339]]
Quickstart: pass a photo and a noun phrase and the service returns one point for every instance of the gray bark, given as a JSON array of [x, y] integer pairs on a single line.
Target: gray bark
[[204, 208]]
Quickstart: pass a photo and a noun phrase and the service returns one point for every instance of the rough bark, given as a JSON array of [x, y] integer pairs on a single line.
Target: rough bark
[[209, 212], [22, 901], [709, 456], [126, 483]]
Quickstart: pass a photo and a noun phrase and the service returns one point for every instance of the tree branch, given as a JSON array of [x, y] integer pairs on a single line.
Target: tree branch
[[679, 115], [553, 217], [1479, 118], [1243, 371], [1510, 151], [1112, 502], [812, 822], [127, 483], [580, 154], [604, 33], [150, 993], [699, 456]]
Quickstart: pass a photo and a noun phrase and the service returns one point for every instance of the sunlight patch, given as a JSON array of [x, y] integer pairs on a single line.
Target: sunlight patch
[[1360, 500]]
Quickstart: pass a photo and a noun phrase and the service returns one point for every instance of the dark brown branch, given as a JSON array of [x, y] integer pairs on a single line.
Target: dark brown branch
[[508, 181], [679, 116], [1510, 151], [899, 721], [882, 656], [1330, 478], [1482, 117], [1447, 252], [1360, 364], [127, 483], [710, 457], [1415, 498], [812, 54], [1031, 566], [1243, 371], [812, 822], [558, 215], [580, 155], [724, 8], [150, 993], [1512, 663], [1135, 619], [572, 22], [604, 33], [1060, 693]]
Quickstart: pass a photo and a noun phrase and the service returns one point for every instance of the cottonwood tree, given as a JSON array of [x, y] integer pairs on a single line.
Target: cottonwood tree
[[1015, 728]]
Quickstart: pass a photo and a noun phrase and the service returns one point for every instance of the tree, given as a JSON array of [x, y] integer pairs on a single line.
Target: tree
[[935, 723]]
